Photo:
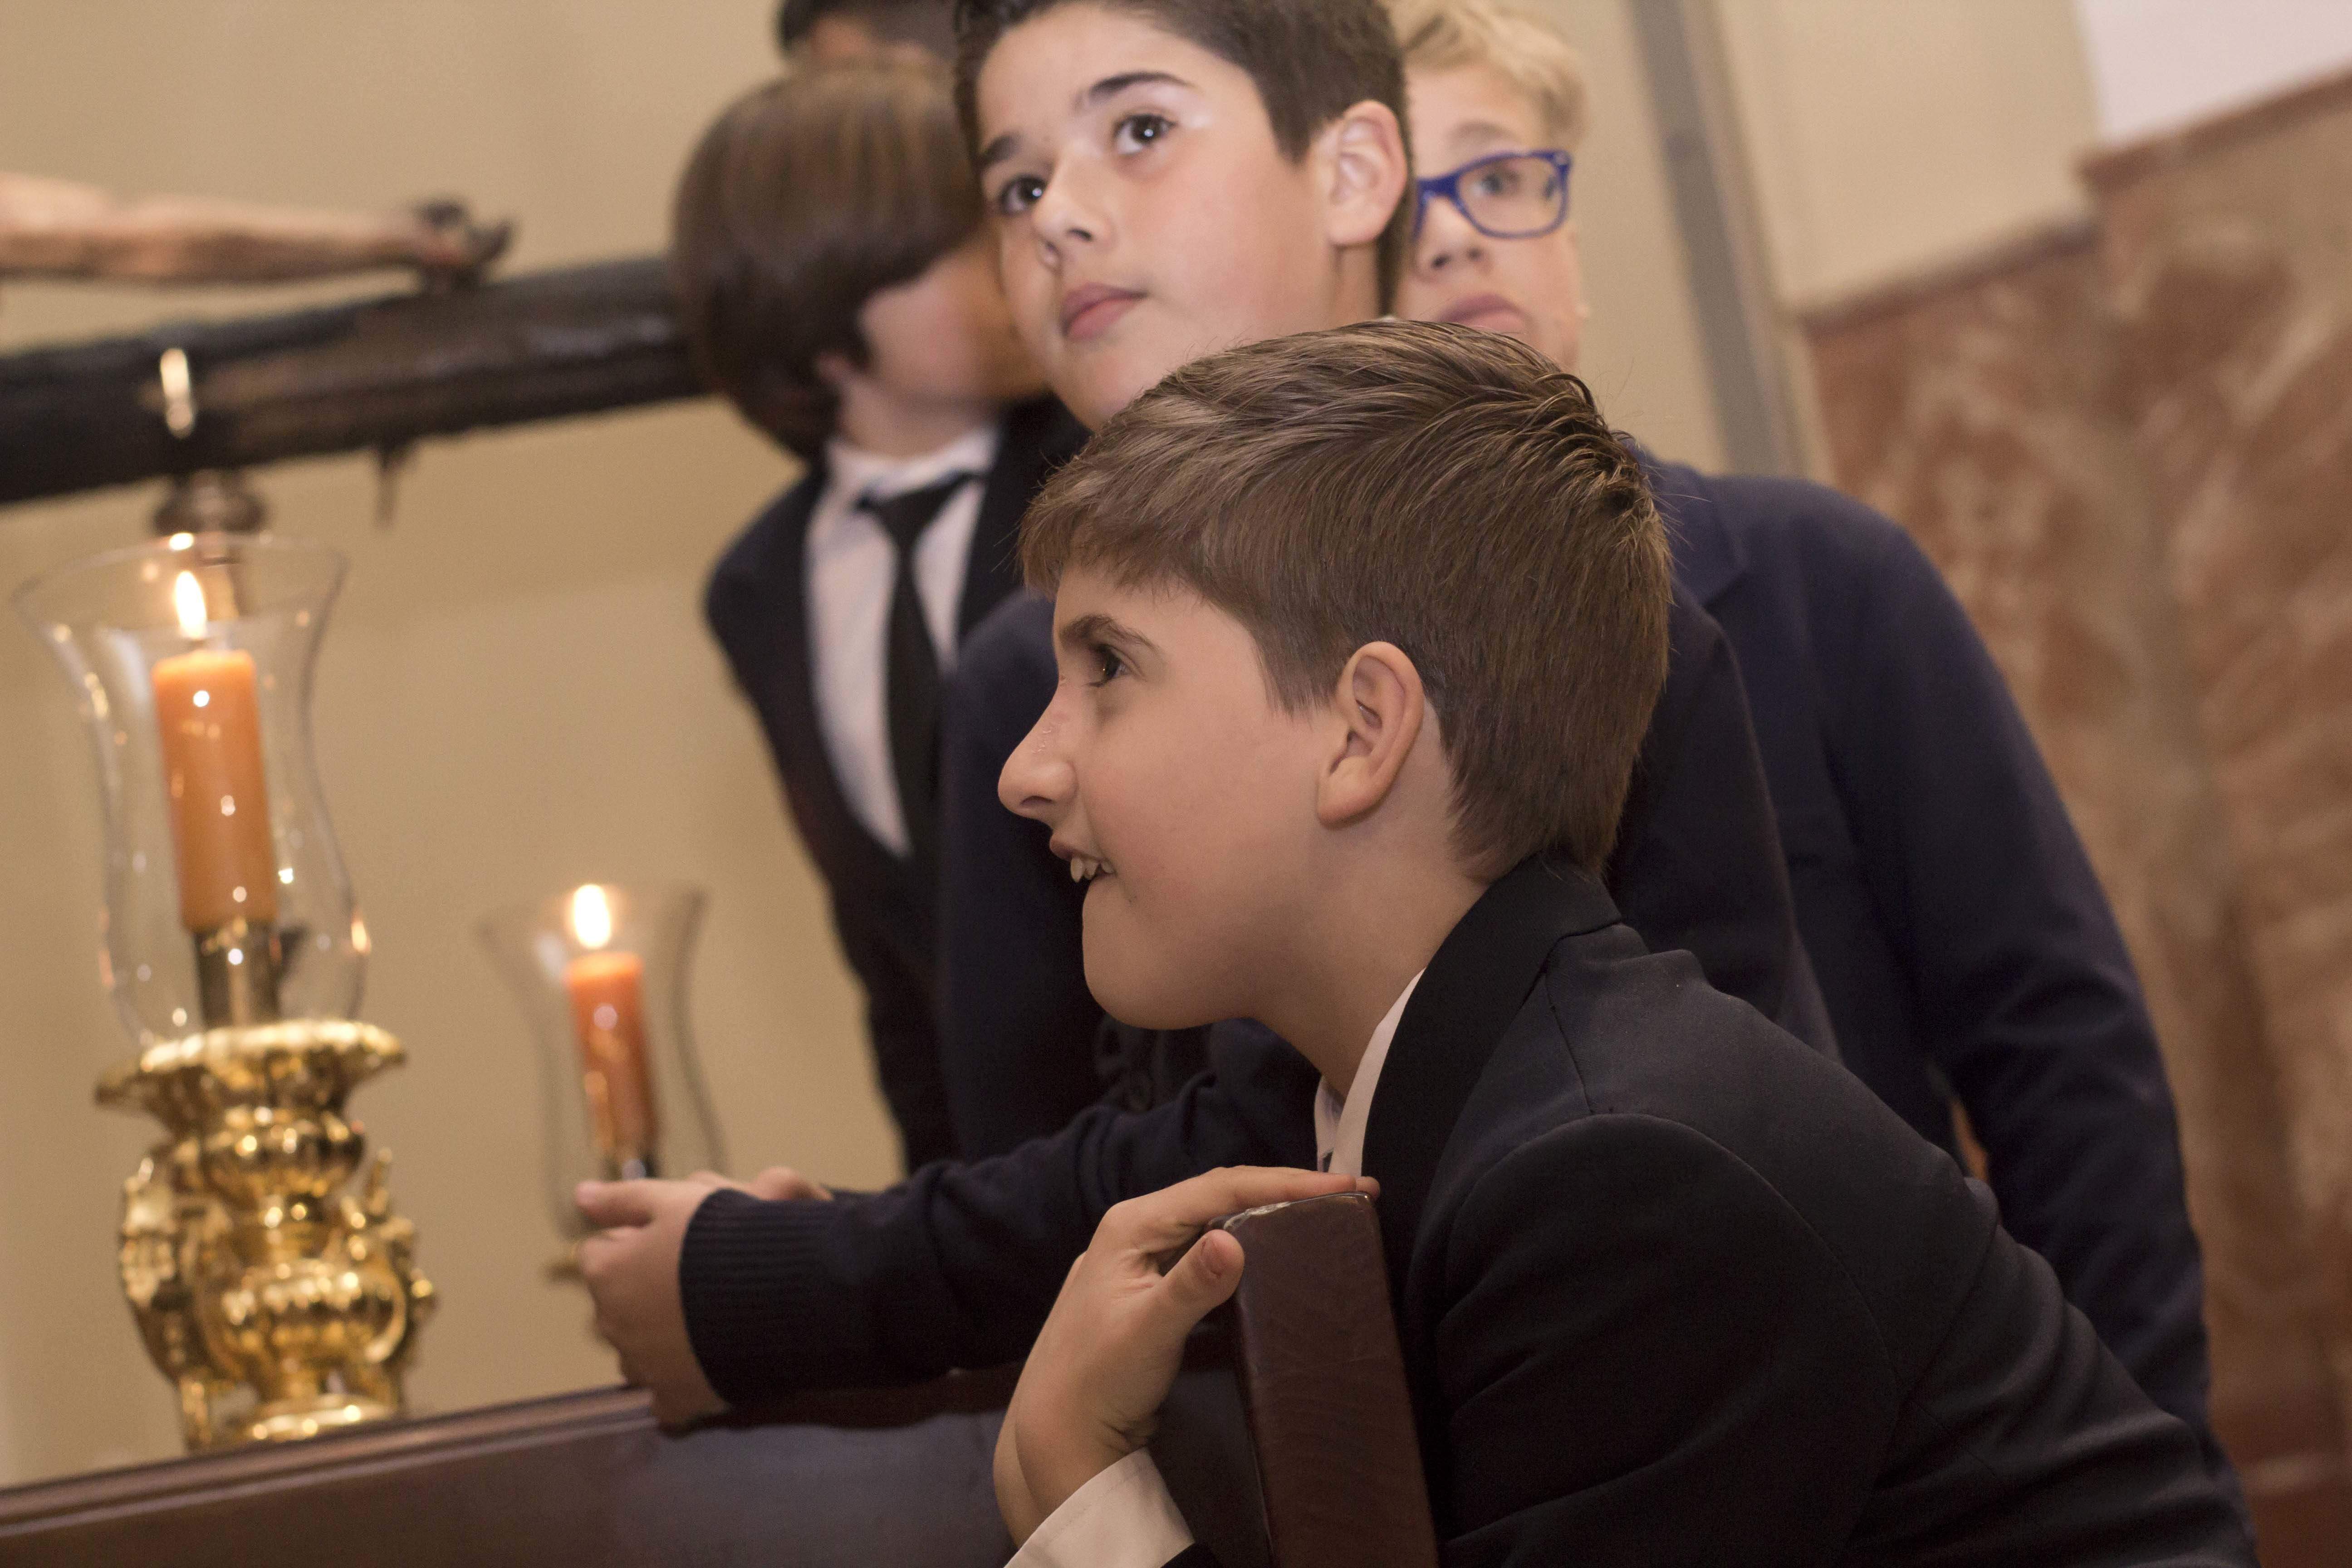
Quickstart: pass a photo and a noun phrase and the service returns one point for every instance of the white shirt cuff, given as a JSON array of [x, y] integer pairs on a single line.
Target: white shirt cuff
[[1123, 1518]]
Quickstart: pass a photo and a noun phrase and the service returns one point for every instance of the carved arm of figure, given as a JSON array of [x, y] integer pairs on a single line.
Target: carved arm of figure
[[56, 228]]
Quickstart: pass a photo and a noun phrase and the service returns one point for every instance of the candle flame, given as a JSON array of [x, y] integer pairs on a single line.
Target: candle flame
[[188, 598], [592, 917]]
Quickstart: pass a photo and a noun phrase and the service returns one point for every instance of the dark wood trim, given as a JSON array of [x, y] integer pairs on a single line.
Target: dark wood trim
[[374, 375], [851, 1476]]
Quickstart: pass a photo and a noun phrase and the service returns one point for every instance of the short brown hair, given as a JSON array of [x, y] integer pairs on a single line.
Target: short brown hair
[[809, 195], [1312, 61], [1446, 490], [1524, 47]]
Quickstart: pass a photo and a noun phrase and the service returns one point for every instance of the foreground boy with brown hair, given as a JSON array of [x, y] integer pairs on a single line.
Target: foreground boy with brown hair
[[1358, 633]]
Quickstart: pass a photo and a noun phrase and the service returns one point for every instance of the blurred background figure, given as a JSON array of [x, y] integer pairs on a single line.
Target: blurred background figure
[[827, 30]]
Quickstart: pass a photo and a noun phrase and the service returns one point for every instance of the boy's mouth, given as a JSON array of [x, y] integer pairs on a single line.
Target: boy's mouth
[[1090, 310], [1086, 869], [1491, 312]]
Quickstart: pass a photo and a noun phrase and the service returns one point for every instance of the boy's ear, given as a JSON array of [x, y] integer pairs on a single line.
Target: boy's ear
[[1364, 152], [1379, 710]]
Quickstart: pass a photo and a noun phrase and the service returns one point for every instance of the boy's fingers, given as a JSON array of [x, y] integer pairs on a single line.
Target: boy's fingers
[[608, 1203], [1200, 1281], [1172, 1215]]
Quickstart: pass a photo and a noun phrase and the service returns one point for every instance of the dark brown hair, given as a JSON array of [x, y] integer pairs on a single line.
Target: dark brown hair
[[1312, 61], [1445, 490], [808, 197]]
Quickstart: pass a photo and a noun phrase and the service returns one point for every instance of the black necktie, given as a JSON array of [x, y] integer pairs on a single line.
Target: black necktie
[[912, 665]]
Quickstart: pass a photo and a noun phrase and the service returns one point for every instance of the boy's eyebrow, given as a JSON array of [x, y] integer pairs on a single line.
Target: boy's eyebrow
[[1112, 86], [1005, 146], [1086, 631], [998, 150], [1481, 130]]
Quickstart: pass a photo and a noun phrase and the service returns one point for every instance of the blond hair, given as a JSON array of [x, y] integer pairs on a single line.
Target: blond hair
[[1445, 35]]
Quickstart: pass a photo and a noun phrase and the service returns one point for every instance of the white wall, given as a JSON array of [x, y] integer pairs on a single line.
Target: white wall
[[2158, 63]]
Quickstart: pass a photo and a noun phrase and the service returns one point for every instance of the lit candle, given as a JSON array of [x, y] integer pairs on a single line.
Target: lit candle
[[211, 725], [607, 990]]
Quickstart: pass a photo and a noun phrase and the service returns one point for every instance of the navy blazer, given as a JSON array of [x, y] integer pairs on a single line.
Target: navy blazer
[[1961, 938], [757, 604], [1669, 1286]]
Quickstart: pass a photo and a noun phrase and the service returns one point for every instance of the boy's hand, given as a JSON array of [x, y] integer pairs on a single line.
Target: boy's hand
[[630, 1266], [1091, 1391]]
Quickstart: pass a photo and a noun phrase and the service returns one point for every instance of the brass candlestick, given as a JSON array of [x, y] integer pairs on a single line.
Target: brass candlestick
[[280, 1304], [280, 1300]]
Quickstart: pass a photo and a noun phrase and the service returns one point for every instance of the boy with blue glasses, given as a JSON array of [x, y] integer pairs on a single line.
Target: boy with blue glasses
[[1963, 944]]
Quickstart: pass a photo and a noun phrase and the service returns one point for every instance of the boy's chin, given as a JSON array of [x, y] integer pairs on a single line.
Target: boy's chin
[[1148, 1001], [1096, 381]]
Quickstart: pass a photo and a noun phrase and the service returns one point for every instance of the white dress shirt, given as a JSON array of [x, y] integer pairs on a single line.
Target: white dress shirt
[[1124, 1518], [852, 571]]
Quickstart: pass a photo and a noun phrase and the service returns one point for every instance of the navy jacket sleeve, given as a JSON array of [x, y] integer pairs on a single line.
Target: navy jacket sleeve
[[2024, 995], [1697, 864], [1016, 1022], [958, 1266]]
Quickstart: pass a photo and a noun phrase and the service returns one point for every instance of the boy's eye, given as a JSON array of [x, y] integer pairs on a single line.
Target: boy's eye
[[1109, 665], [1498, 180], [1018, 194], [1137, 131]]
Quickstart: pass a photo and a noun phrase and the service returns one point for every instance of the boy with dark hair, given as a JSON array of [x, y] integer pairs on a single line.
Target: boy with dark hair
[[1167, 177], [1335, 615], [835, 286]]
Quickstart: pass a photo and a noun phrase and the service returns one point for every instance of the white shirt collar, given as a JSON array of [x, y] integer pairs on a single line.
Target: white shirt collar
[[1339, 1125], [854, 471]]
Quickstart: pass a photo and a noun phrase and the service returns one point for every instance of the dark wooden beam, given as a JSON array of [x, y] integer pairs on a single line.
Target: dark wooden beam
[[374, 375]]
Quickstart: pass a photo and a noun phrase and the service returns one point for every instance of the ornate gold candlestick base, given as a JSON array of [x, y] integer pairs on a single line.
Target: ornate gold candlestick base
[[281, 1305]]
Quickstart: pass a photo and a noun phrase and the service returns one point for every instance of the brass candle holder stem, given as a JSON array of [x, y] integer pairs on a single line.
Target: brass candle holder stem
[[238, 966]]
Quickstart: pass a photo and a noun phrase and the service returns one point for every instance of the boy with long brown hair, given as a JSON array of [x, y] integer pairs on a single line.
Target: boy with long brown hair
[[836, 286]]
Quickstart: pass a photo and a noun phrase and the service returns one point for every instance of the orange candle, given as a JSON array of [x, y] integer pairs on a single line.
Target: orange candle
[[608, 1016], [211, 726]]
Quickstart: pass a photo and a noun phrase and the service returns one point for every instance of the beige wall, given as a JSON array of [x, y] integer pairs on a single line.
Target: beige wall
[[1884, 137], [517, 693], [1640, 349]]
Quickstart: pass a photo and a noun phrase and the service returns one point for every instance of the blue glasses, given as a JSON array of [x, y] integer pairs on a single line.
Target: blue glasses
[[1505, 196]]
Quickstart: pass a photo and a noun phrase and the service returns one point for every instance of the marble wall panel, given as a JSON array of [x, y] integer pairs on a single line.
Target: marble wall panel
[[1980, 408], [2227, 254]]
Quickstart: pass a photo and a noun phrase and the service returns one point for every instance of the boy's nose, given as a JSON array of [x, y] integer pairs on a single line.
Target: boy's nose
[[1446, 240], [1066, 214], [1038, 780]]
